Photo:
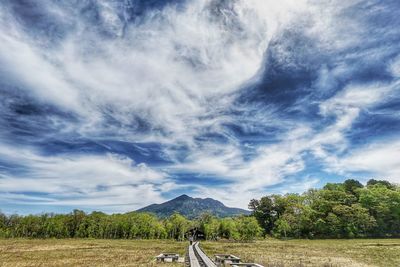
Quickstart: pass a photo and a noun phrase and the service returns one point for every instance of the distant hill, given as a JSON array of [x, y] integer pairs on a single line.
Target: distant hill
[[192, 208]]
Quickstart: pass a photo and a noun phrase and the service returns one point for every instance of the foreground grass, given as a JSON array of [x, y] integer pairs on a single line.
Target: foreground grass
[[85, 252], [327, 253], [271, 252]]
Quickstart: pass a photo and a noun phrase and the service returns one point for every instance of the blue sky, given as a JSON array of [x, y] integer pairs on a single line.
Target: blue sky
[[114, 105]]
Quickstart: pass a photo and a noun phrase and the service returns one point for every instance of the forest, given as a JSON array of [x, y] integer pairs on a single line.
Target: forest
[[338, 210], [132, 225]]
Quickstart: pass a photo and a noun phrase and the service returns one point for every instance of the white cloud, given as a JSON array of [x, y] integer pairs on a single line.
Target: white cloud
[[381, 160], [84, 181], [394, 67], [169, 70], [354, 97], [28, 69]]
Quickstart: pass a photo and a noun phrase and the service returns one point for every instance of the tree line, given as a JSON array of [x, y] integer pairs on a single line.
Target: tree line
[[338, 210], [132, 225]]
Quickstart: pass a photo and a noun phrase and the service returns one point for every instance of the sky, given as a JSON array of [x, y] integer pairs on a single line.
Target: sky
[[112, 105]]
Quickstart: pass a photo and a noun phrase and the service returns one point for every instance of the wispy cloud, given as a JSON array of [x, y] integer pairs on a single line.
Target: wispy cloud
[[376, 160], [79, 180]]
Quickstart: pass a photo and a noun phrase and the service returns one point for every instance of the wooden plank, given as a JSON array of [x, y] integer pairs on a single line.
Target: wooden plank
[[203, 256], [192, 258]]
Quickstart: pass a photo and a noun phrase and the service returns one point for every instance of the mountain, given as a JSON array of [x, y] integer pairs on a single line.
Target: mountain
[[192, 208]]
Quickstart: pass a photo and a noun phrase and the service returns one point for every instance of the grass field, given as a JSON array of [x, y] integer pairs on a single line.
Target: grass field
[[346, 253], [86, 252]]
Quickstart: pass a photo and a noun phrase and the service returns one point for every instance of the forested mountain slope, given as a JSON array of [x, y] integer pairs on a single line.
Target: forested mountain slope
[[192, 208]]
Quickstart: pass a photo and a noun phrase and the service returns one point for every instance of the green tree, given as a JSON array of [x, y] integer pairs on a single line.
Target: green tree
[[282, 228], [211, 229], [352, 186], [248, 228], [383, 203], [384, 183], [177, 226], [264, 210], [228, 229]]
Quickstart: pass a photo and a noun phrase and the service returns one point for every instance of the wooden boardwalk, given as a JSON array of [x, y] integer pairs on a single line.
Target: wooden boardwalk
[[193, 261], [197, 258]]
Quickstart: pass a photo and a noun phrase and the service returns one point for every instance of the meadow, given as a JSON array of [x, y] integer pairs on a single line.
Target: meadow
[[270, 252], [85, 252], [327, 253]]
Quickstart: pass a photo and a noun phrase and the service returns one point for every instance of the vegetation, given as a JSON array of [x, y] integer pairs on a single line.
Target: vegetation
[[191, 208], [133, 225], [340, 210], [268, 252], [86, 252], [299, 252]]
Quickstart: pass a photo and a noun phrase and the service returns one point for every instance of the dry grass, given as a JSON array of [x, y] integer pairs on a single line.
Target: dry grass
[[86, 252], [326, 253]]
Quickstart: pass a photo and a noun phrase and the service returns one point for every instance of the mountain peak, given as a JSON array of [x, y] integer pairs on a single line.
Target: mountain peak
[[192, 208], [182, 197]]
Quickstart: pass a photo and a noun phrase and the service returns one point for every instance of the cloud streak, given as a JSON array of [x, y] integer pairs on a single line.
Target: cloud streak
[[106, 182]]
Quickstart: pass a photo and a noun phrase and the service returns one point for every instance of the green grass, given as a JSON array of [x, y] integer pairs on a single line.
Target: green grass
[[271, 252]]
